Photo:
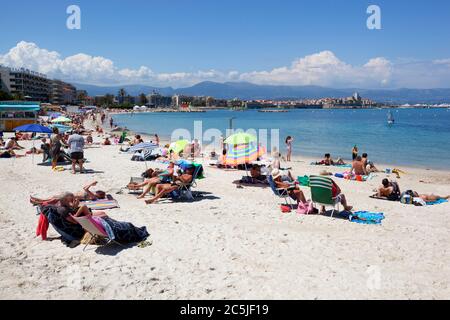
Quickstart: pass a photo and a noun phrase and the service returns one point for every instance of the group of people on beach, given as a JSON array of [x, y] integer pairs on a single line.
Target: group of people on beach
[[163, 182]]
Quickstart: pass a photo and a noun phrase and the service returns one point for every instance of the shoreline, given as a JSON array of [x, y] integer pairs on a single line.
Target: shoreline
[[296, 155]]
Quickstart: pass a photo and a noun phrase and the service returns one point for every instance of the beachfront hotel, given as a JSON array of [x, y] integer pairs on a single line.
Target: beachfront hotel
[[29, 85], [25, 83]]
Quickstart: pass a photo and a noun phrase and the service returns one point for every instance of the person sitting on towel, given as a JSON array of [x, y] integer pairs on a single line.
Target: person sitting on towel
[[358, 167], [389, 190]]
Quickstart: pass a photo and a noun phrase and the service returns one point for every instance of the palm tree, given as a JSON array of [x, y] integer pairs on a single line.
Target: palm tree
[[122, 94]]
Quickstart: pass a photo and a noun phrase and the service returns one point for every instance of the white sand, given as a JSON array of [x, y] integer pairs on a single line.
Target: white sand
[[233, 244]]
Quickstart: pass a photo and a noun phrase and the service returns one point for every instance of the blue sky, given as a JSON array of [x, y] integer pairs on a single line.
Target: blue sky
[[188, 36]]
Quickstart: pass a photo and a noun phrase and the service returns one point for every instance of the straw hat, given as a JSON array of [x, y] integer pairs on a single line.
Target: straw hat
[[276, 173]]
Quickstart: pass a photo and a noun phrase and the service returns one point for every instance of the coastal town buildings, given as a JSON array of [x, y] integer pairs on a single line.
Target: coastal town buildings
[[25, 84], [62, 92]]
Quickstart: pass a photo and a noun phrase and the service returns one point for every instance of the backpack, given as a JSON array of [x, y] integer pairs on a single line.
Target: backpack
[[407, 197]]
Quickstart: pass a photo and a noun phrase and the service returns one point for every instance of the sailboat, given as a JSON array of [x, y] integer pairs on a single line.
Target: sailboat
[[391, 119]]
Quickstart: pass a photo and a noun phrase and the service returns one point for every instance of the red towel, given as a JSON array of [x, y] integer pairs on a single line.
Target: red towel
[[42, 227]]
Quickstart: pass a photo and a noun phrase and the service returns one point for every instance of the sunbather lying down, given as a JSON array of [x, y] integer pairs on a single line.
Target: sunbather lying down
[[328, 161], [431, 197], [84, 195], [172, 188], [10, 154]]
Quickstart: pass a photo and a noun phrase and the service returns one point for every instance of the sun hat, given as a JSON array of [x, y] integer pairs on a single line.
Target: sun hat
[[276, 173]]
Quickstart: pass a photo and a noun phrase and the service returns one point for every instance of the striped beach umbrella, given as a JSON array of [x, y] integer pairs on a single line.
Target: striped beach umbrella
[[240, 138], [143, 146], [243, 154]]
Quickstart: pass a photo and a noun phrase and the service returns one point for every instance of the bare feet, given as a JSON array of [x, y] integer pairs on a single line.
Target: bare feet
[[151, 201], [142, 196], [348, 208]]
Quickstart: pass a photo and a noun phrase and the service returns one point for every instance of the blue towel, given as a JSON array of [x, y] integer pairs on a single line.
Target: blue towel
[[366, 217], [436, 202]]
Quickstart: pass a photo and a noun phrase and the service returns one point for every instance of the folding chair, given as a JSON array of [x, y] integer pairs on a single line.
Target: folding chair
[[321, 192], [89, 226], [280, 192]]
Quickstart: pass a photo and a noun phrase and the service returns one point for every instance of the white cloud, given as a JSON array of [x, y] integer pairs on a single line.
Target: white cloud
[[323, 69]]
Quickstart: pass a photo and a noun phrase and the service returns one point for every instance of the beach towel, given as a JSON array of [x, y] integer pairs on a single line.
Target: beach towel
[[366, 217], [42, 227], [349, 176], [432, 203], [101, 204]]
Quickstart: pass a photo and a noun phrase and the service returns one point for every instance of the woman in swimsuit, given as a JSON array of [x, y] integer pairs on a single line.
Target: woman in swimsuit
[[84, 195], [289, 148], [161, 177]]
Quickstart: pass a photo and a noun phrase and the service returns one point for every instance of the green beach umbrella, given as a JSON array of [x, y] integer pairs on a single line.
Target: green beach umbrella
[[178, 146], [61, 120], [240, 138]]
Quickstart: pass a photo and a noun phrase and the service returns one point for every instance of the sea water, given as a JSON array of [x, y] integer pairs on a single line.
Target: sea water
[[419, 137]]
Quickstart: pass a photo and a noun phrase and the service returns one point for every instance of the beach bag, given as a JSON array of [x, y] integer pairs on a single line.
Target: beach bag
[[407, 197], [304, 181], [285, 208], [305, 208]]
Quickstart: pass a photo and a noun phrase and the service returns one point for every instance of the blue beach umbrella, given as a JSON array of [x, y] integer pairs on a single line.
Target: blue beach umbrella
[[37, 128]]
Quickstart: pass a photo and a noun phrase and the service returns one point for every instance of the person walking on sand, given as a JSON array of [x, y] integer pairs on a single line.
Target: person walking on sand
[[157, 139], [289, 141], [76, 145], [55, 146]]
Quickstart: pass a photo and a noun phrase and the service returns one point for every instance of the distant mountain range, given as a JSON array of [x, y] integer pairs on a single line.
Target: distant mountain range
[[249, 91]]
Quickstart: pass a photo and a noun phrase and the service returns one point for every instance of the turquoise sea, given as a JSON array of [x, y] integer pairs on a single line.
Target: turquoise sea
[[419, 137]]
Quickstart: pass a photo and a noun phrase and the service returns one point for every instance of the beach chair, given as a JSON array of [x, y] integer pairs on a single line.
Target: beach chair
[[185, 188], [87, 224], [280, 192], [136, 180], [321, 192]]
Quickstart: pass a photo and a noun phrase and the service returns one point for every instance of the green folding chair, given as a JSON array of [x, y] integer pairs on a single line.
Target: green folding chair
[[321, 192]]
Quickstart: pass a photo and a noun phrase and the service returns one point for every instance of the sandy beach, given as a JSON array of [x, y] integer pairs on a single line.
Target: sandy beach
[[232, 243]]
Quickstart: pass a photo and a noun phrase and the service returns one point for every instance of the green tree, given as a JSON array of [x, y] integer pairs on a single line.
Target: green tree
[[18, 96], [5, 95], [142, 99]]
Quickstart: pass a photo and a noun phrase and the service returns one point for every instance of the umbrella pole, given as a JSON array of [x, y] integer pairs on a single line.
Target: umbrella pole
[[246, 171]]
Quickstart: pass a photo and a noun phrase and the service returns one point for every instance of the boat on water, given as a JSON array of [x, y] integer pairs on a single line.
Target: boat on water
[[274, 111], [391, 119]]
